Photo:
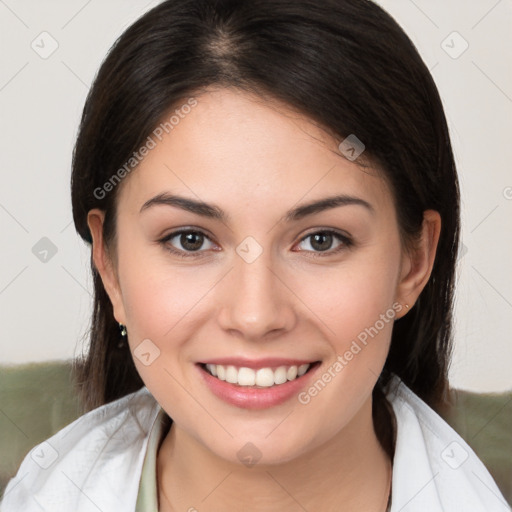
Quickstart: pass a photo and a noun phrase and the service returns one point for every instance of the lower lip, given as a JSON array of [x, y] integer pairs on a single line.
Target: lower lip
[[256, 398]]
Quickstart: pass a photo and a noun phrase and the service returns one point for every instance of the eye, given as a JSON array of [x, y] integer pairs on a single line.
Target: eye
[[190, 240], [322, 241]]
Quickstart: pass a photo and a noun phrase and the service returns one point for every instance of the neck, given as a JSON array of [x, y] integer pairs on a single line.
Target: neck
[[350, 471]]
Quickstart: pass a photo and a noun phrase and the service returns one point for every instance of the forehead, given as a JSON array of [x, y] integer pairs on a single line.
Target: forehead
[[244, 151]]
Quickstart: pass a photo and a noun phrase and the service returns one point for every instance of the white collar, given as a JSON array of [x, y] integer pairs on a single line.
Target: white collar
[[95, 463]]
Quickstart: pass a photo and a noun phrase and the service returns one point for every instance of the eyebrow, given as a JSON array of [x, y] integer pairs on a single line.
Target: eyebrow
[[212, 211]]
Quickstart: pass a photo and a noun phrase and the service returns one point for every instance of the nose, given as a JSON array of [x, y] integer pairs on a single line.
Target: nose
[[257, 304]]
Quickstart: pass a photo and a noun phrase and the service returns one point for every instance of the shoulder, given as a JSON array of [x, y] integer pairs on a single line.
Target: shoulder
[[92, 464], [434, 468]]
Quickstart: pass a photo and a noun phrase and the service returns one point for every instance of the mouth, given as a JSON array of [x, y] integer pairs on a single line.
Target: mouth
[[256, 384], [263, 377]]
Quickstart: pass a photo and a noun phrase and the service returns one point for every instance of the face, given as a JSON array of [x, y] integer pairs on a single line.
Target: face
[[245, 283]]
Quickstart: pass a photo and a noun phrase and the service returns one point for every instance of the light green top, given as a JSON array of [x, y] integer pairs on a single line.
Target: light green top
[[147, 498]]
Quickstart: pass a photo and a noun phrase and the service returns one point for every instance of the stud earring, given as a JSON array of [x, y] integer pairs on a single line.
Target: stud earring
[[122, 341]]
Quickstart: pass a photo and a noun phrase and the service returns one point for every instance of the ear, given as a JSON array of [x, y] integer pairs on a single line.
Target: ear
[[104, 263], [417, 262]]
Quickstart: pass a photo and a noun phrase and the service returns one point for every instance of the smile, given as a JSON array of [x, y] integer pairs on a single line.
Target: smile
[[262, 377], [251, 384]]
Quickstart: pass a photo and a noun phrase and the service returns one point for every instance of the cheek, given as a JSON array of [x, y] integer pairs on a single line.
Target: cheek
[[355, 306], [352, 297], [356, 309], [156, 304], [157, 299], [162, 308], [157, 295], [167, 305]]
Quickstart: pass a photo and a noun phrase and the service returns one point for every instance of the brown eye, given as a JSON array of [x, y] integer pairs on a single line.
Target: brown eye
[[186, 243], [191, 241], [322, 242]]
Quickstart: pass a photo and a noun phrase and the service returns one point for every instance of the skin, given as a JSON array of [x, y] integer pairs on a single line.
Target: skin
[[257, 159]]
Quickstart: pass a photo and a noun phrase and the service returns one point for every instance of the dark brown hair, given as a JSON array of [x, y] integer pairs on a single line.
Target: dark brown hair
[[348, 66]]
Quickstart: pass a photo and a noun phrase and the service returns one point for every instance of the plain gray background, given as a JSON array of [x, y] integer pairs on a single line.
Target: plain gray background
[[45, 299]]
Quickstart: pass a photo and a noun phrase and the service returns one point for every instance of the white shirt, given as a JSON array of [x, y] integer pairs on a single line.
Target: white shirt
[[95, 463]]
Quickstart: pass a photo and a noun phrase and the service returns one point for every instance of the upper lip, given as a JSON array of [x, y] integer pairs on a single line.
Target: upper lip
[[266, 362]]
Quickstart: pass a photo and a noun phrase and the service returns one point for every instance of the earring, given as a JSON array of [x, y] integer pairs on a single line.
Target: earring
[[122, 341]]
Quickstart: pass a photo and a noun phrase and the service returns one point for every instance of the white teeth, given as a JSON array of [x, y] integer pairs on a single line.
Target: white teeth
[[263, 377], [231, 375], [212, 368], [246, 376], [280, 375], [303, 368], [221, 372], [291, 373]]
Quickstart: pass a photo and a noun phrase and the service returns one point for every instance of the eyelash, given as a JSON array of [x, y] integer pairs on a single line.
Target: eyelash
[[347, 243]]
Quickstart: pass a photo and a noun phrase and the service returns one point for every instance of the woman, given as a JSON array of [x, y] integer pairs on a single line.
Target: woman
[[271, 198]]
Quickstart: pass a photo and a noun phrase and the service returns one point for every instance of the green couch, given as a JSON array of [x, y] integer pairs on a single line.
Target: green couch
[[37, 400]]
